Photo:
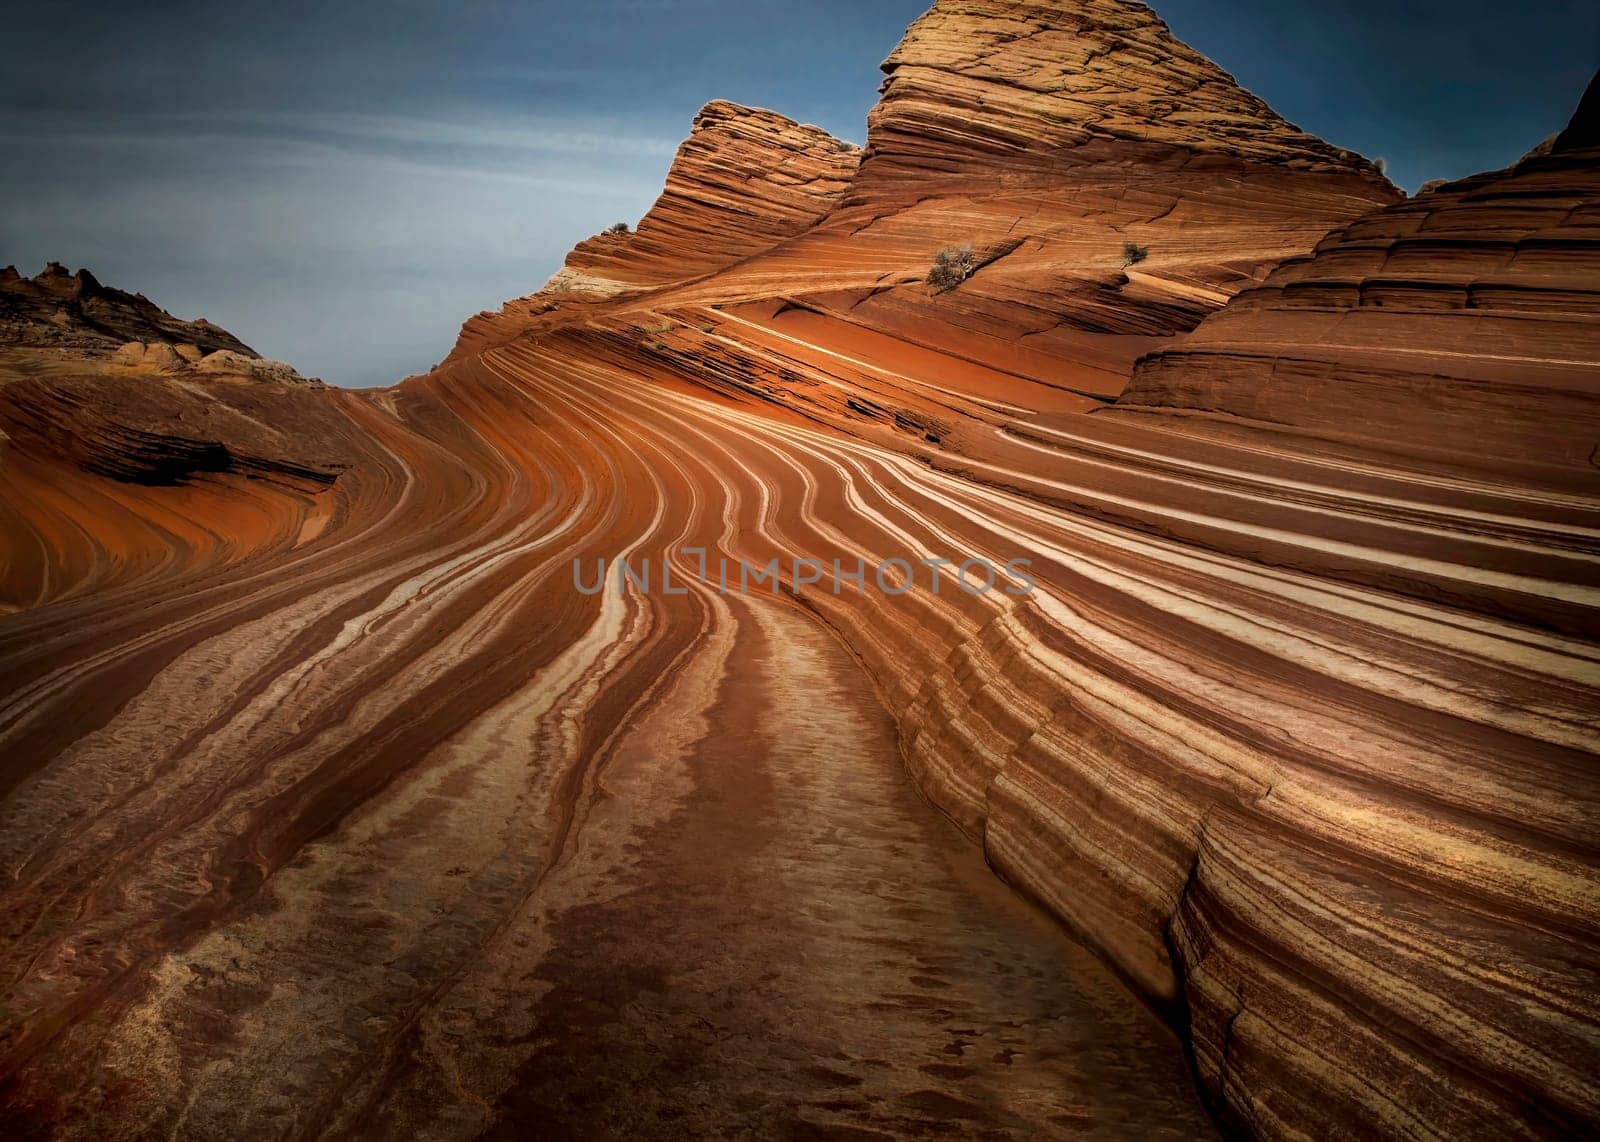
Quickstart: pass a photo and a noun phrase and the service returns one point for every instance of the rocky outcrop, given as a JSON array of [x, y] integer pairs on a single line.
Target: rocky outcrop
[[1042, 85], [1460, 324], [149, 432], [229, 364], [744, 180], [102, 393], [65, 310]]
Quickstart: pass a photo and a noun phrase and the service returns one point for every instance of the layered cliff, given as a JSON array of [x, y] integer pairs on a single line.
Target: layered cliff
[[397, 826], [1459, 324], [1033, 87], [743, 181]]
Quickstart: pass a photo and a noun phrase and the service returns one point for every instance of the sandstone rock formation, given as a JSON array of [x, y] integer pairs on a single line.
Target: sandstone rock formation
[[1038, 86], [1052, 304], [379, 823], [103, 395], [1458, 323], [743, 180]]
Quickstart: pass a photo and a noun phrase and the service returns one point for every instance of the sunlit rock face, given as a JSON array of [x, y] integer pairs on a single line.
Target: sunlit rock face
[[334, 804], [744, 180], [1038, 86]]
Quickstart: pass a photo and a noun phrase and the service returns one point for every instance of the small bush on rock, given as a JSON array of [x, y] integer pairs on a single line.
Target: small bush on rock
[[1133, 253], [951, 266]]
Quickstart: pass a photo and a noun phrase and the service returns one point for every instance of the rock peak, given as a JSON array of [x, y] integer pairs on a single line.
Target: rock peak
[[721, 112], [1033, 81], [745, 179]]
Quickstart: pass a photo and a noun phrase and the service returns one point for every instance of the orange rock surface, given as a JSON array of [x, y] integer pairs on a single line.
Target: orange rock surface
[[335, 804]]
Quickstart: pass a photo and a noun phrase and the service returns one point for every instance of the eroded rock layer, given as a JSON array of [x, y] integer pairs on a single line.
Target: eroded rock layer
[[1459, 324], [394, 825], [1038, 85], [104, 397], [744, 180]]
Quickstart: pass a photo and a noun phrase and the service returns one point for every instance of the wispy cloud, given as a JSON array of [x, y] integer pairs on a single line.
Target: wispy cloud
[[528, 135]]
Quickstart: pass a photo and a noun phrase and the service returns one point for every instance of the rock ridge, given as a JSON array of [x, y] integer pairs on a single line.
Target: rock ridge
[[57, 308]]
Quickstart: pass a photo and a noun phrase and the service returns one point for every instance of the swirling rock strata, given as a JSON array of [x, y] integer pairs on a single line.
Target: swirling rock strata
[[103, 395], [1041, 86], [392, 828]]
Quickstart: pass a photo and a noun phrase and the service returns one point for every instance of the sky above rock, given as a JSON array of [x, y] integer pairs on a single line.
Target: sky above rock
[[341, 185]]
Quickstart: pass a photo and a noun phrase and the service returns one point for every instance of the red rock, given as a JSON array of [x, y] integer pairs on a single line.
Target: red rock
[[744, 180], [366, 802]]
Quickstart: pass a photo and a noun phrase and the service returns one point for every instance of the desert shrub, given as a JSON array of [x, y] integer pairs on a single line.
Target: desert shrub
[[1133, 253], [951, 266], [617, 228], [1382, 164], [1431, 185]]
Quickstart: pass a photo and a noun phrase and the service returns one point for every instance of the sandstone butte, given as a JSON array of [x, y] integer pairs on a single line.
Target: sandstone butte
[[330, 806]]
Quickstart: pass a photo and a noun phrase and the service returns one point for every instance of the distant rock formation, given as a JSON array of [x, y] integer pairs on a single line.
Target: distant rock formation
[[100, 385], [73, 310]]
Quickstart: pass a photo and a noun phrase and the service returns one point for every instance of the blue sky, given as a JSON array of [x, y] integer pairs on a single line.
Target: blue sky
[[342, 184]]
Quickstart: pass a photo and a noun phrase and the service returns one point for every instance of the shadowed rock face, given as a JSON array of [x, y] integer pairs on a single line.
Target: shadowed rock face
[[66, 310], [346, 811]]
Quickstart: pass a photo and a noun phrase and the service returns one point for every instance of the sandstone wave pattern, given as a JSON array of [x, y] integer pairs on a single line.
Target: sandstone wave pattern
[[333, 805]]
